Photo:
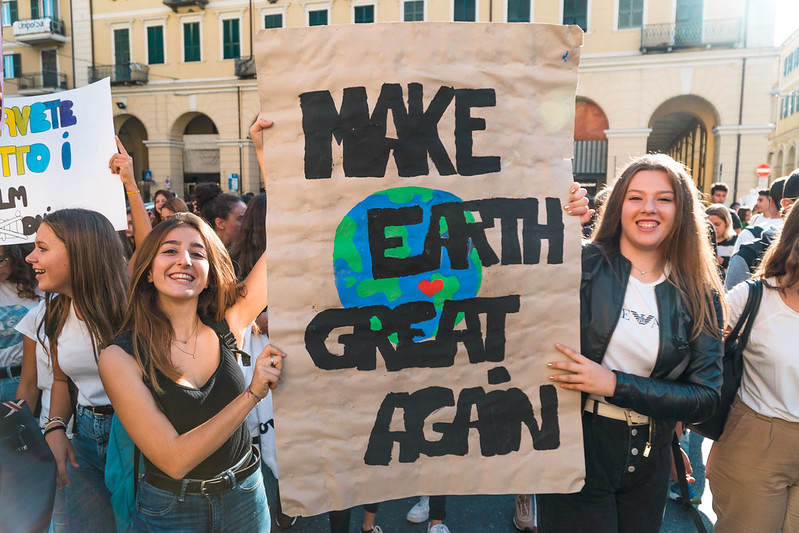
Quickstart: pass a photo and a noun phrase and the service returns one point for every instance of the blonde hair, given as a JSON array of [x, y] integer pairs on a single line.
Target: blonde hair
[[721, 211]]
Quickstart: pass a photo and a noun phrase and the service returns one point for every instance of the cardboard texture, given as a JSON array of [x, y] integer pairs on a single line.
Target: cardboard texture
[[413, 171], [54, 153]]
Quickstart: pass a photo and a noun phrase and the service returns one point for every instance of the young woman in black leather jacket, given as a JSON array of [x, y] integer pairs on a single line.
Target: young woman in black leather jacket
[[651, 323]]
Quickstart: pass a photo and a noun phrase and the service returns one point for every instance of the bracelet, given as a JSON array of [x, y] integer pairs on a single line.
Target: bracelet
[[137, 191], [53, 424], [55, 428], [257, 398]]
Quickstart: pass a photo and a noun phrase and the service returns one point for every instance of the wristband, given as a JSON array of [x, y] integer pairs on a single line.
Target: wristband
[[257, 398], [54, 428], [137, 191]]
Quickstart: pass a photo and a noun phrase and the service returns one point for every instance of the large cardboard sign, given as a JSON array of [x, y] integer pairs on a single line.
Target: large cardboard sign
[[54, 152], [420, 264]]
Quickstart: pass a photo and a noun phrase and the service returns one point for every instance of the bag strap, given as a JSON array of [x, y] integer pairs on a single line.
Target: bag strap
[[686, 499], [747, 316], [222, 330]]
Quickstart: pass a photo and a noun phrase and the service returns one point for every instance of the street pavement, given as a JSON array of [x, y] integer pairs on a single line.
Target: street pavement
[[478, 514]]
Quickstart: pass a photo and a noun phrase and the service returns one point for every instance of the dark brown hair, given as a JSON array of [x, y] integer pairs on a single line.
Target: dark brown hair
[[250, 242]]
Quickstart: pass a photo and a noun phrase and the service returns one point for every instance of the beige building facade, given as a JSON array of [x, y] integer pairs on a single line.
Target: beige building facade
[[37, 47], [783, 154], [693, 78]]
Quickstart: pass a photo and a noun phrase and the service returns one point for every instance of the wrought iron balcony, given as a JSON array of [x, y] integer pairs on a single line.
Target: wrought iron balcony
[[41, 82], [125, 74], [176, 5], [245, 67], [39, 31], [698, 34]]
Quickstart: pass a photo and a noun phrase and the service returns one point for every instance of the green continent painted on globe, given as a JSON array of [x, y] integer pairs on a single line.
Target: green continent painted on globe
[[352, 259]]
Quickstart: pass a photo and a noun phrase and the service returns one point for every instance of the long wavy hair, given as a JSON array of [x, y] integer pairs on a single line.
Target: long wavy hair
[[151, 330], [250, 242], [721, 211], [98, 270], [21, 275], [782, 257], [687, 249]]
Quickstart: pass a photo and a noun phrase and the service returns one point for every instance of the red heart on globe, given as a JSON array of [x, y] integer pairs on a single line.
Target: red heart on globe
[[431, 287]]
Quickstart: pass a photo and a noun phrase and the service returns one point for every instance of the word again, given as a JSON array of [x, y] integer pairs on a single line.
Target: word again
[[366, 148], [501, 415]]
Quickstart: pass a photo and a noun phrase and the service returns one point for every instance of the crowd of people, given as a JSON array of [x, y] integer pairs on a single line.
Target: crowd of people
[[153, 326]]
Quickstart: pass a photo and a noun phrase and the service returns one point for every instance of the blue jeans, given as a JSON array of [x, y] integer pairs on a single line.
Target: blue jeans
[[243, 507], [8, 389], [88, 499], [624, 491]]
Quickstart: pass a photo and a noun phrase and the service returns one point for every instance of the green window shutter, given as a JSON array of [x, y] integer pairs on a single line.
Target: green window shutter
[[518, 10], [464, 10], [273, 21], [34, 9], [364, 14], [155, 45], [576, 12], [317, 18], [191, 42], [230, 39], [413, 11]]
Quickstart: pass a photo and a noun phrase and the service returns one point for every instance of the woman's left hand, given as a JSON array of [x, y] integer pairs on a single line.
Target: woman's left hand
[[586, 375], [578, 204], [122, 164]]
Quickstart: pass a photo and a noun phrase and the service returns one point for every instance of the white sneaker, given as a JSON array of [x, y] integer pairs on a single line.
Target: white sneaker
[[420, 512], [438, 528]]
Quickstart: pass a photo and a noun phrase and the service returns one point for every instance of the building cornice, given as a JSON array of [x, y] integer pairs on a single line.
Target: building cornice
[[622, 61], [187, 87], [744, 129], [163, 143], [628, 133]]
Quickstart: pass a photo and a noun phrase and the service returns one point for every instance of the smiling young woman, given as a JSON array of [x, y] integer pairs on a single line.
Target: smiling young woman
[[650, 333]]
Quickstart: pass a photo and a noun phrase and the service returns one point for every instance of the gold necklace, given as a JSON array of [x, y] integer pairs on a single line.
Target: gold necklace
[[193, 352], [196, 323]]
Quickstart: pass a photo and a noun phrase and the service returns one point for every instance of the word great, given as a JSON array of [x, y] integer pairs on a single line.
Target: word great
[[366, 148]]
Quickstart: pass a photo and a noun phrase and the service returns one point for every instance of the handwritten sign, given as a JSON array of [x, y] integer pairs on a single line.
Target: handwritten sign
[[54, 152], [420, 264]]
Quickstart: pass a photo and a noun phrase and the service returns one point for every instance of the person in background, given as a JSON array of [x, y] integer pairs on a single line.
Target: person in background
[[175, 205], [718, 195], [745, 214], [161, 197], [761, 205], [224, 212], [770, 218], [18, 294], [719, 216], [753, 469]]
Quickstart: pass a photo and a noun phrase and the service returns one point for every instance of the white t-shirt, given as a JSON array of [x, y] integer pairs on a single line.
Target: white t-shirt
[[634, 344], [44, 370], [12, 310], [75, 357], [771, 367], [746, 236]]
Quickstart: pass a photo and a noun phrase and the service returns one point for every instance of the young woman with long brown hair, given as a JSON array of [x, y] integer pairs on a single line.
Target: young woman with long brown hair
[[651, 345]]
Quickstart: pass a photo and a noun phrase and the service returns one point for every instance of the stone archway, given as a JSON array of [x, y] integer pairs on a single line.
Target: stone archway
[[199, 136], [590, 161], [133, 135], [683, 128]]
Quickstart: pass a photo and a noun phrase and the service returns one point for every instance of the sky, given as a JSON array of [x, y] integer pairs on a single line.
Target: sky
[[787, 20]]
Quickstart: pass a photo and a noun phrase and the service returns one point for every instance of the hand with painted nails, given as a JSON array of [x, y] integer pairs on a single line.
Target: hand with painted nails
[[578, 204], [584, 374]]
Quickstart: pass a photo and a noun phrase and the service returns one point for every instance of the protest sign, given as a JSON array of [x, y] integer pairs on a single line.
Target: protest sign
[[54, 152], [420, 264]]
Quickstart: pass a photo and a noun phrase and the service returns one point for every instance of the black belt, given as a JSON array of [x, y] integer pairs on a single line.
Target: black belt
[[103, 410], [10, 371], [207, 487]]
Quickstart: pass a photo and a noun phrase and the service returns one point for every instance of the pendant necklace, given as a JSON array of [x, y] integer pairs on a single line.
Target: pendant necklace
[[193, 352]]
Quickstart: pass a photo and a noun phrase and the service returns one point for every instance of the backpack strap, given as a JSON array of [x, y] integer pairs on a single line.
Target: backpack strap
[[222, 329]]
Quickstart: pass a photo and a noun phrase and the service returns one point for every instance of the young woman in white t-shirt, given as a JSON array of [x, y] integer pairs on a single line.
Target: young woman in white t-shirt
[[753, 469], [650, 321], [80, 266]]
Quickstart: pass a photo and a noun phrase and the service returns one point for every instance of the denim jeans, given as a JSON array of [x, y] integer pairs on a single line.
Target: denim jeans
[[88, 499], [58, 524], [8, 389], [243, 507], [624, 491]]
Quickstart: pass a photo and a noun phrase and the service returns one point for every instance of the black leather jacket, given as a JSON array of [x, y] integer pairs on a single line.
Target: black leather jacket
[[685, 383]]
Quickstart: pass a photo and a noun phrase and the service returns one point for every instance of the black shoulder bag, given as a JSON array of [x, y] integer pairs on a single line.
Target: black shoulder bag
[[734, 345]]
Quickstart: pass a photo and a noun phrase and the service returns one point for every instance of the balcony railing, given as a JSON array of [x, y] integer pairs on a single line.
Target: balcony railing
[[245, 67], [699, 34], [39, 30], [125, 74], [41, 82], [177, 4]]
